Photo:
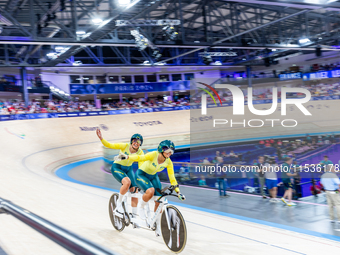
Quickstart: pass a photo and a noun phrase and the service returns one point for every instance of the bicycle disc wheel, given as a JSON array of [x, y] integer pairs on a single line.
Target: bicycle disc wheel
[[175, 238], [117, 223]]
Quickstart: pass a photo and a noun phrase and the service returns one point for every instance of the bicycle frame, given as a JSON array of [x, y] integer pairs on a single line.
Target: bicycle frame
[[168, 225], [149, 223]]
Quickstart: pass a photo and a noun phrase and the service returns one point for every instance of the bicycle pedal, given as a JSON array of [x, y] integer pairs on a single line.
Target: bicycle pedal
[[119, 215], [154, 227]]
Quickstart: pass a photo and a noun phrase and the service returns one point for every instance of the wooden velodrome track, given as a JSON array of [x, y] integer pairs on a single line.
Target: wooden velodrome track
[[31, 148]]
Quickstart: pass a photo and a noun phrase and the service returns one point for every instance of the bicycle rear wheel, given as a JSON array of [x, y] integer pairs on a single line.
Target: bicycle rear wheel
[[117, 223], [174, 238]]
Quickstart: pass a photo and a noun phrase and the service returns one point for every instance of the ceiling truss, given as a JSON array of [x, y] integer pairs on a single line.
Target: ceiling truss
[[246, 27]]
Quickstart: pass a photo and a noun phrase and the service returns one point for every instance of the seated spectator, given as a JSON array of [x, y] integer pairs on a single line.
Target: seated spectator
[[206, 161], [327, 139], [202, 181], [232, 154], [267, 143], [325, 161], [217, 155], [183, 173], [219, 160]]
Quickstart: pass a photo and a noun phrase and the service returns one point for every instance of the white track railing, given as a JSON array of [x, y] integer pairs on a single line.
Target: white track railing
[[61, 236]]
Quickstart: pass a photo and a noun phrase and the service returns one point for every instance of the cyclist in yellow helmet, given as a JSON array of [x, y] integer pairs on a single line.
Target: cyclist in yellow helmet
[[147, 178], [122, 169]]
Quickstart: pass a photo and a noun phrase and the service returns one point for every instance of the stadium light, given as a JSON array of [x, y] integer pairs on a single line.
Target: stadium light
[[80, 32], [59, 48], [77, 63], [52, 55], [123, 2], [97, 21], [304, 40]]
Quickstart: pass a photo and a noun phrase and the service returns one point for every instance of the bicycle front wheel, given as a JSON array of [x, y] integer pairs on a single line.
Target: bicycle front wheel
[[117, 223], [174, 238]]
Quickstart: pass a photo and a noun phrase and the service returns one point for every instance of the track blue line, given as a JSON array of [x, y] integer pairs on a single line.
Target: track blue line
[[63, 173]]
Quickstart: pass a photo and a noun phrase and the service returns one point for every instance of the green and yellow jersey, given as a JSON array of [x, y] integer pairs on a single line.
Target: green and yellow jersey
[[124, 148], [151, 166]]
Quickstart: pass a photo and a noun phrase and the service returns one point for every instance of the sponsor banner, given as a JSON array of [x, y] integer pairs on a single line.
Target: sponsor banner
[[290, 76], [141, 110], [148, 123], [79, 114], [185, 107], [24, 116], [101, 126], [119, 112], [129, 87], [321, 75]]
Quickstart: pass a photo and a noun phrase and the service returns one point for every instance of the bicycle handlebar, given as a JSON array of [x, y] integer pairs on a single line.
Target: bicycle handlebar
[[164, 192]]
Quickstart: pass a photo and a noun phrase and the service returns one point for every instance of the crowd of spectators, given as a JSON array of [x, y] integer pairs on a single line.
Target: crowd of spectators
[[324, 67], [321, 89], [294, 148], [56, 106], [220, 157], [292, 151], [44, 106], [134, 103], [284, 148]]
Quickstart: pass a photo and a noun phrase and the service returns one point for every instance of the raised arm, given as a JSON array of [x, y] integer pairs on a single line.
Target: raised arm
[[115, 146]]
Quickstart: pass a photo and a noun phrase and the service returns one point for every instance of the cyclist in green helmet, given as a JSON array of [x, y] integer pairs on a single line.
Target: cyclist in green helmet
[[122, 169], [147, 178]]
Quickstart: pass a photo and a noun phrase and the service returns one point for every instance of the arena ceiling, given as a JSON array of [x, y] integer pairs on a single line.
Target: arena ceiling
[[48, 32]]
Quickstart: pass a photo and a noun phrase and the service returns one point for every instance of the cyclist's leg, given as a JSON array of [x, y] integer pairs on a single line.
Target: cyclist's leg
[[157, 185], [120, 175], [133, 186], [156, 182], [143, 182]]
